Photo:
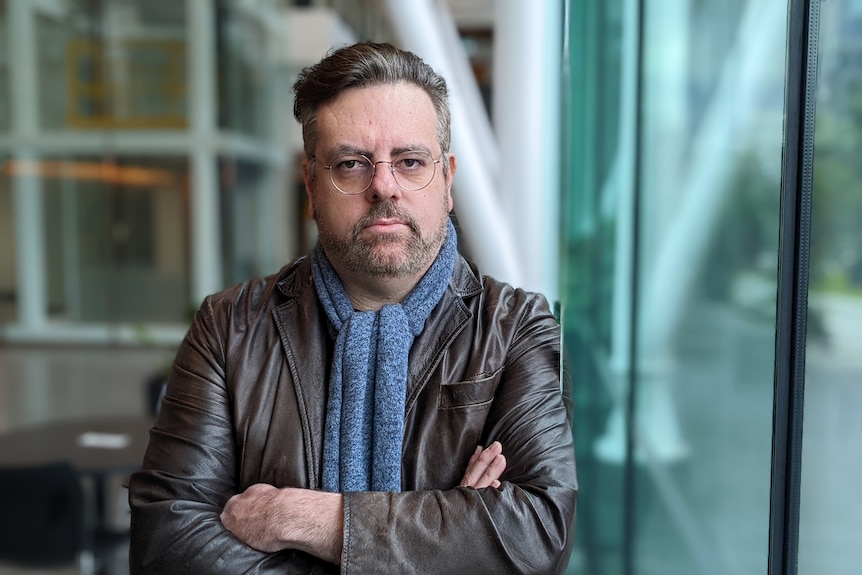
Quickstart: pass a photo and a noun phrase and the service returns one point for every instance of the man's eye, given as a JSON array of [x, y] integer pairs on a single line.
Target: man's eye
[[411, 163], [350, 164]]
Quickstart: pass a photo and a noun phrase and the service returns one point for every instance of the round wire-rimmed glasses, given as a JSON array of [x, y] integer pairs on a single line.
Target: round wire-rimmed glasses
[[352, 174]]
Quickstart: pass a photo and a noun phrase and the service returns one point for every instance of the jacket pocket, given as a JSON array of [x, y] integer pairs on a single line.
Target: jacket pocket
[[471, 393]]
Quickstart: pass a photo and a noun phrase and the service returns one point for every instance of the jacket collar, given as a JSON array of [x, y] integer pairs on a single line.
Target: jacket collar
[[294, 277], [302, 324]]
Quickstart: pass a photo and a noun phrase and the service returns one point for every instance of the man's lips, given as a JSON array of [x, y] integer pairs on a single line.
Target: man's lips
[[384, 225]]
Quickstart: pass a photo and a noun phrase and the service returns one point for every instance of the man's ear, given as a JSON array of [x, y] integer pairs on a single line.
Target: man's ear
[[453, 166]]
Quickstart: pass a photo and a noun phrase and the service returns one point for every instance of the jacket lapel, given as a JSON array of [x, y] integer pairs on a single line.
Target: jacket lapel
[[445, 322], [301, 327]]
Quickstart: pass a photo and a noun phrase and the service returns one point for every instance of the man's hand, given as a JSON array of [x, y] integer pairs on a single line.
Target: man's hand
[[272, 519], [485, 467]]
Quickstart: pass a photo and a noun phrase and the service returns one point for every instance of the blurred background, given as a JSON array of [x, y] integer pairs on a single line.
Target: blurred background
[[624, 157]]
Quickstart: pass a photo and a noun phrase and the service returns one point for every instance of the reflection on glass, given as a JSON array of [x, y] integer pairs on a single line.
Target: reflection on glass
[[116, 238], [830, 505], [694, 340]]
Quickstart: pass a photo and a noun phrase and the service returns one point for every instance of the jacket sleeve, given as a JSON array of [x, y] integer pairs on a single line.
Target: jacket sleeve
[[189, 473], [527, 525]]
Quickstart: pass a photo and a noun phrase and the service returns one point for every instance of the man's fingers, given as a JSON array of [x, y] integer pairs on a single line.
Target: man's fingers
[[495, 469], [485, 467], [493, 472], [475, 456]]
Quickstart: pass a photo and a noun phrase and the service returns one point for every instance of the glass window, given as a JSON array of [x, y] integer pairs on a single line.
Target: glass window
[[246, 75], [587, 265], [830, 507], [8, 276], [116, 238], [133, 77], [670, 280], [4, 69], [261, 223]]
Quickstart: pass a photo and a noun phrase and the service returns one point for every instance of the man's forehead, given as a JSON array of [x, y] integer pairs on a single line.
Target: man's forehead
[[383, 120], [391, 104]]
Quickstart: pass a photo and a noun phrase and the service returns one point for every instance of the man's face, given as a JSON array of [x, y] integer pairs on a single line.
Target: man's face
[[384, 231]]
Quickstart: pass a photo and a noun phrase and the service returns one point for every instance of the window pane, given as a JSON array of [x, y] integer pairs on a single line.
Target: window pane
[[116, 239], [688, 215], [254, 242], [710, 180], [8, 276], [830, 506], [247, 73], [588, 252], [4, 69], [134, 79]]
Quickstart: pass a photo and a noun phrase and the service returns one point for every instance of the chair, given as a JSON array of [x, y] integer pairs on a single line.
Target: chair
[[43, 515], [44, 519]]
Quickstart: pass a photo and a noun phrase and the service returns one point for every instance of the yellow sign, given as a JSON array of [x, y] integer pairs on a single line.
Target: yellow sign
[[126, 84]]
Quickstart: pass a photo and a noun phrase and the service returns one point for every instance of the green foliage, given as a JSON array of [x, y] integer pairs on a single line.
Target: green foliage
[[836, 239]]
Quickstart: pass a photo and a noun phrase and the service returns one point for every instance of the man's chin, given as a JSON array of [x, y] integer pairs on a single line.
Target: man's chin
[[387, 263]]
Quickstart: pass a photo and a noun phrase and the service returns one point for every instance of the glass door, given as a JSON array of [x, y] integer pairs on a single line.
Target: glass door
[[672, 213]]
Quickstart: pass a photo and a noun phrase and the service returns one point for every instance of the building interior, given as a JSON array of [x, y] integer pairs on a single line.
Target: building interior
[[626, 158]]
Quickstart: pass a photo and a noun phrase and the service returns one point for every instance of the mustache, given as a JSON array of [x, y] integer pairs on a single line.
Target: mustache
[[387, 210]]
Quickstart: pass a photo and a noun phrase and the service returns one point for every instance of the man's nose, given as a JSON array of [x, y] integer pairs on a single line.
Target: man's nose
[[383, 185]]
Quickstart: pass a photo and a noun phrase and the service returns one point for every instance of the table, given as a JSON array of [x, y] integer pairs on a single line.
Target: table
[[112, 444], [98, 448]]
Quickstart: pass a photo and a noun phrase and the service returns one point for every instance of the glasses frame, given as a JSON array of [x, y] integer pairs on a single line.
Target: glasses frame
[[328, 168]]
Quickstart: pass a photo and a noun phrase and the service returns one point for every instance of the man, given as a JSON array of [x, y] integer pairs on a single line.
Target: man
[[334, 416]]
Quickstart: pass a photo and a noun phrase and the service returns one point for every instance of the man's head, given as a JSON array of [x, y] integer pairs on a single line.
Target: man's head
[[376, 129], [361, 66]]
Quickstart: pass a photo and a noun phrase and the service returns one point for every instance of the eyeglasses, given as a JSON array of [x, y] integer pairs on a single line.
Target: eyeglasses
[[352, 174]]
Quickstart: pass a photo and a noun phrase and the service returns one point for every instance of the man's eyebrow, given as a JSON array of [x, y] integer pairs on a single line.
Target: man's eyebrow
[[348, 150], [411, 148]]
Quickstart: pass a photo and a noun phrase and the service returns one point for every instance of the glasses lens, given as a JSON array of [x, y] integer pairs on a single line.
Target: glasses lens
[[351, 174], [413, 170]]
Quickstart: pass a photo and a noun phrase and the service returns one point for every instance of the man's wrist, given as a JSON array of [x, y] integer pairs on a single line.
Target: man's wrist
[[314, 522]]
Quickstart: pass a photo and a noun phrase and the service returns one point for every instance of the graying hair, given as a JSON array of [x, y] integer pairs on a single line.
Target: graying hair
[[364, 65]]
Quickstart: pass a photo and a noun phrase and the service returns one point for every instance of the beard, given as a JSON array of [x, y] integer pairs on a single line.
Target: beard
[[369, 255]]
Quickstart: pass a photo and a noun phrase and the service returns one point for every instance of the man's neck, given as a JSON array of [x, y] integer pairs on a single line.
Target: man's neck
[[372, 293]]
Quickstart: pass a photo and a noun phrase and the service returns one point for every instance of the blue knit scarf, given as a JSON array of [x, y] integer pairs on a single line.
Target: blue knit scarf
[[368, 382]]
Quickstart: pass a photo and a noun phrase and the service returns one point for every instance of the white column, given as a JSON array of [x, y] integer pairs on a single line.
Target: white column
[[491, 239], [26, 184], [206, 265], [527, 74]]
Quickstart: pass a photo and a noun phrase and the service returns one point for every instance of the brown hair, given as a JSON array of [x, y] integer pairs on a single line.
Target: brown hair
[[364, 65]]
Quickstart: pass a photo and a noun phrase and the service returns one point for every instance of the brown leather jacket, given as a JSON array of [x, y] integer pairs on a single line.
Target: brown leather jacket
[[246, 404]]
